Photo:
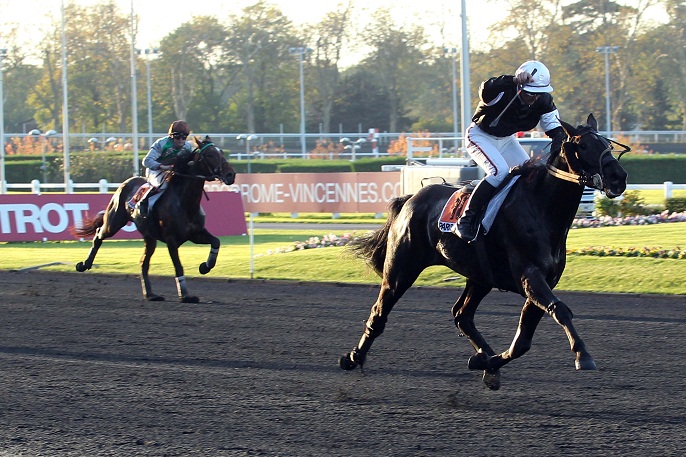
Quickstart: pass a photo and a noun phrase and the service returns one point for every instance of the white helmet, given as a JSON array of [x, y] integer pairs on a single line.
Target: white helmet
[[541, 76]]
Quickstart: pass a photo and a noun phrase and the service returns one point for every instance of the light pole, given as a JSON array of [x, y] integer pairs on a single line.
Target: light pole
[[65, 107], [607, 50], [453, 58], [134, 99], [301, 52], [247, 138], [3, 54], [149, 52], [43, 143], [464, 73]]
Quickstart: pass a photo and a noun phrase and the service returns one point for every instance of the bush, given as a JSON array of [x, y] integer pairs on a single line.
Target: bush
[[675, 205], [630, 204]]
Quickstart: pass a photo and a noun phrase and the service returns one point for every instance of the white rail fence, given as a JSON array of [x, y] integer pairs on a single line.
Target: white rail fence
[[103, 187]]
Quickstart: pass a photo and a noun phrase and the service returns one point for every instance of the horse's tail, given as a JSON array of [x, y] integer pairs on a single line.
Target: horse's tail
[[89, 225], [372, 246]]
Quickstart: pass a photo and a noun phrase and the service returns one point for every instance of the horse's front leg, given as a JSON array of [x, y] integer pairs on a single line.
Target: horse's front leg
[[150, 246], [538, 291], [184, 297], [205, 237]]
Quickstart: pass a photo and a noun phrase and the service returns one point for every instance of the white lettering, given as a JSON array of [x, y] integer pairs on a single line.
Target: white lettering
[[51, 217]]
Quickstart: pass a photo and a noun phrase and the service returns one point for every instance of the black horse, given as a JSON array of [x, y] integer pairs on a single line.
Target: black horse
[[523, 252], [175, 218]]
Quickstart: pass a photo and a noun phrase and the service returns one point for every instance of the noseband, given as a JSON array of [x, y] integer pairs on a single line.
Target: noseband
[[583, 177]]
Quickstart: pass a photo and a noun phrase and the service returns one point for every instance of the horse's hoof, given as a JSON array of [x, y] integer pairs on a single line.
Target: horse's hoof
[[153, 297], [81, 267], [346, 362], [478, 361], [204, 269], [492, 379], [190, 299], [585, 363]]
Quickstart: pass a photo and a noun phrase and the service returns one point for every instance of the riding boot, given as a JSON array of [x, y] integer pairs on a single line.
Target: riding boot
[[468, 224]]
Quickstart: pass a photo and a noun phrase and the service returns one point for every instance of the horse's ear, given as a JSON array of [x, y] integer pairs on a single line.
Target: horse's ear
[[197, 141], [592, 122], [208, 139]]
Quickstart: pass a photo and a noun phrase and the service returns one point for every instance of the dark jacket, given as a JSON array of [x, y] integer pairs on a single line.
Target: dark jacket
[[494, 95]]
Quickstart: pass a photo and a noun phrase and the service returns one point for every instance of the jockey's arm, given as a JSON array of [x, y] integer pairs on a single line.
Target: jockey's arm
[[495, 87]]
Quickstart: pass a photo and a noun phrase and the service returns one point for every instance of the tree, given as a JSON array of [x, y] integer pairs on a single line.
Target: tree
[[328, 37], [19, 80], [258, 43], [193, 69], [395, 53], [532, 22], [99, 73]]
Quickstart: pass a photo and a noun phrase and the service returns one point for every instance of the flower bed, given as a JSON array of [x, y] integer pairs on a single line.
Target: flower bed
[[653, 252], [609, 221], [331, 239]]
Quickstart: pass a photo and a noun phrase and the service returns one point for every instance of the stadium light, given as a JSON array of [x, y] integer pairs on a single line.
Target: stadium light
[[301, 52], [149, 53], [607, 50], [3, 54], [456, 129]]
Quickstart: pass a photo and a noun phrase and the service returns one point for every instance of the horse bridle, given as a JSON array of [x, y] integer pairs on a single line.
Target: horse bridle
[[584, 178], [215, 172]]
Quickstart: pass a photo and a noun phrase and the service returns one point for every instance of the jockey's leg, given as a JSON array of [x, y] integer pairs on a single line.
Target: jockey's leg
[[485, 150], [468, 224]]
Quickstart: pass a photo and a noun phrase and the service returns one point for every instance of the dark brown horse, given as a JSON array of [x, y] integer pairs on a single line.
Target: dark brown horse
[[523, 252], [175, 218]]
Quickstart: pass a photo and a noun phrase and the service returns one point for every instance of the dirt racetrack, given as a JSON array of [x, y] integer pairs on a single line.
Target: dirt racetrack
[[87, 368]]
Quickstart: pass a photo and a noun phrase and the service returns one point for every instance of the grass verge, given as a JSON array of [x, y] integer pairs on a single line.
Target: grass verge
[[334, 264]]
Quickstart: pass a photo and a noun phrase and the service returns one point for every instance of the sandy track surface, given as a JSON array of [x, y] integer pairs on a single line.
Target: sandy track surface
[[87, 368]]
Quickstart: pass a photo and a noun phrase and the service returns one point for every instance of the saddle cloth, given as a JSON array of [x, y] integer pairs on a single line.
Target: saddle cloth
[[455, 206]]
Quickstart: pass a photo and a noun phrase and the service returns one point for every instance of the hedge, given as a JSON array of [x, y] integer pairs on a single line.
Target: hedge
[[655, 169], [90, 167]]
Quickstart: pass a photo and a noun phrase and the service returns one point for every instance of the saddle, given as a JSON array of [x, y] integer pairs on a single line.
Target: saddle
[[138, 201], [457, 202]]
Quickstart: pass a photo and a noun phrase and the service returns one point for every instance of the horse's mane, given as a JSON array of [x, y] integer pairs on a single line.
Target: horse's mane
[[532, 168]]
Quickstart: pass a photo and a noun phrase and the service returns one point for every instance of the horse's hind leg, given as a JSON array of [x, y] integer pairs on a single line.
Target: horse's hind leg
[[398, 276], [150, 246], [463, 312], [95, 246]]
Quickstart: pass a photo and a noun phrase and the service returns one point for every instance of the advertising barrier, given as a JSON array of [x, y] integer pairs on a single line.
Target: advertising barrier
[[51, 217], [367, 192]]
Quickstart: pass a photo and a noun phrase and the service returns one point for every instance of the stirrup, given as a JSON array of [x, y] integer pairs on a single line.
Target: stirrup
[[467, 231]]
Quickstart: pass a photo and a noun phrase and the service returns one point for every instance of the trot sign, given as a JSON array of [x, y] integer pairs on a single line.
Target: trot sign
[[51, 217]]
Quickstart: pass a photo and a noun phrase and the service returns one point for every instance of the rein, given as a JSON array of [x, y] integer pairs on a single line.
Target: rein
[[583, 178]]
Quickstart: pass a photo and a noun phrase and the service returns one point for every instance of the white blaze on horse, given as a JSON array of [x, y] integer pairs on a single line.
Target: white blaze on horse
[[524, 250], [175, 218]]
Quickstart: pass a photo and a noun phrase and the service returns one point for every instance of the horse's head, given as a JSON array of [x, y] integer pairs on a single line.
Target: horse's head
[[589, 159], [209, 162]]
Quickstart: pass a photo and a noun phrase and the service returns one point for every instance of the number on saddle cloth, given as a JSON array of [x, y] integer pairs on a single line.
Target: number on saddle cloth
[[140, 194], [454, 208]]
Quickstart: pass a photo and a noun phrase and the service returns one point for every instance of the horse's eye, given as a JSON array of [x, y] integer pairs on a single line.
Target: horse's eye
[[583, 146]]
